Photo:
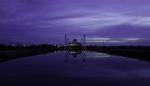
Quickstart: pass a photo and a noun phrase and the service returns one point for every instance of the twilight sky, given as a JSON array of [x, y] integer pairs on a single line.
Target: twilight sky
[[46, 21]]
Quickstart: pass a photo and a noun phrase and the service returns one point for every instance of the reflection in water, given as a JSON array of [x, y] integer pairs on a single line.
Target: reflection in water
[[12, 55], [99, 69], [97, 55], [75, 54], [84, 54], [87, 54]]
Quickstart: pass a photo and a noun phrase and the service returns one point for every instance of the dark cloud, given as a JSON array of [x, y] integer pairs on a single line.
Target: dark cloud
[[124, 31], [45, 20]]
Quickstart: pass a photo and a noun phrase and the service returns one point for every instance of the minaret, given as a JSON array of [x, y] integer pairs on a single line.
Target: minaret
[[84, 39], [65, 39]]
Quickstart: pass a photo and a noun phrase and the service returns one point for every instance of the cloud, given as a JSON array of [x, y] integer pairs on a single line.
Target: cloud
[[99, 18], [97, 21], [114, 40], [47, 13]]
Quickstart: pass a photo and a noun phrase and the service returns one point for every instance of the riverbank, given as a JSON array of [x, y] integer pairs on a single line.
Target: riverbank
[[20, 53], [11, 52], [142, 53]]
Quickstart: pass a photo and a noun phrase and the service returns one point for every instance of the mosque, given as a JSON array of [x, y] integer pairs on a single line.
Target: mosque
[[74, 45], [74, 42]]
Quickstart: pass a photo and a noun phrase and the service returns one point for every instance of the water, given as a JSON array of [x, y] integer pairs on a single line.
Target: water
[[75, 69]]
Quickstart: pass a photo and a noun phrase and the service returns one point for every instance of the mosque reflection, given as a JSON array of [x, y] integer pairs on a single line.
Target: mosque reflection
[[76, 49], [83, 55]]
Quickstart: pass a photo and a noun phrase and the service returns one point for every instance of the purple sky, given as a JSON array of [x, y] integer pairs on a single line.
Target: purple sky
[[46, 21]]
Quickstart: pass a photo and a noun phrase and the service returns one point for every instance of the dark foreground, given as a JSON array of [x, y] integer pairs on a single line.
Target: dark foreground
[[60, 66], [63, 69], [71, 81]]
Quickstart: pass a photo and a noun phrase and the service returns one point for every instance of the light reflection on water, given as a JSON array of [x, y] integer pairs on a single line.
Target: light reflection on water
[[82, 67]]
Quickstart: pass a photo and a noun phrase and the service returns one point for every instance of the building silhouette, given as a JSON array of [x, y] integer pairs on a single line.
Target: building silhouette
[[74, 43]]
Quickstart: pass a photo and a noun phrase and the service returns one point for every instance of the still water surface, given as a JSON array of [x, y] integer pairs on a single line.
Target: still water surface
[[75, 69]]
